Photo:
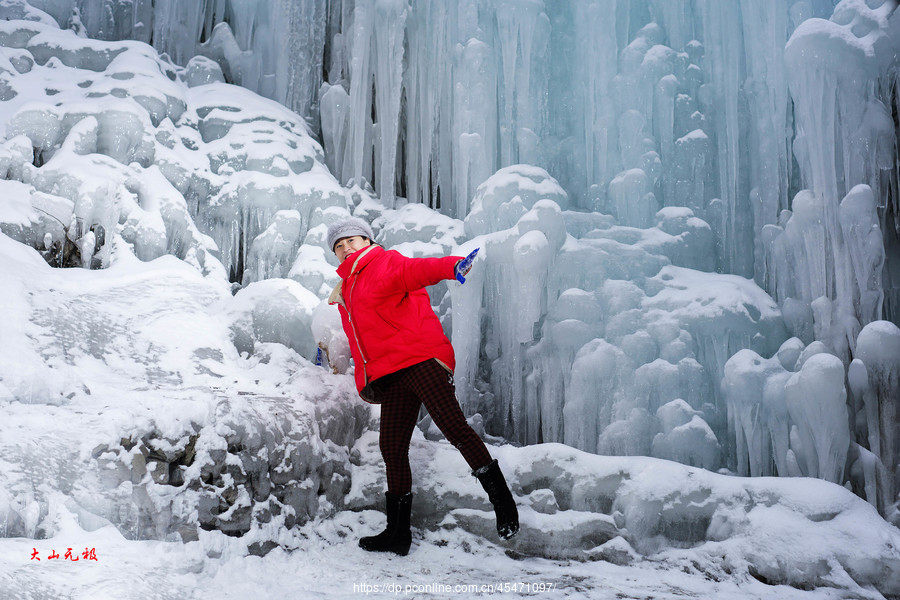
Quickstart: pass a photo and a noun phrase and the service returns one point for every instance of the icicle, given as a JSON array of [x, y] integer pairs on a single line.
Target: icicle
[[765, 27], [722, 26], [522, 30], [595, 45], [358, 136], [878, 347], [388, 34]]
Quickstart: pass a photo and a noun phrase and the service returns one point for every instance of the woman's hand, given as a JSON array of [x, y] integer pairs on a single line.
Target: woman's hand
[[464, 266]]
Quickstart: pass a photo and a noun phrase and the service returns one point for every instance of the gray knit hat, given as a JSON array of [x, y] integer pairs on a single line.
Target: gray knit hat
[[348, 228]]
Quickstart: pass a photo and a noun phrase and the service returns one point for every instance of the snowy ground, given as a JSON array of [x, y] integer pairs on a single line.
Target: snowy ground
[[329, 565]]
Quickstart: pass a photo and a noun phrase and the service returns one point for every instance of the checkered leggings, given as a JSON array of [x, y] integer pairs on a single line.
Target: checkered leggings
[[401, 394]]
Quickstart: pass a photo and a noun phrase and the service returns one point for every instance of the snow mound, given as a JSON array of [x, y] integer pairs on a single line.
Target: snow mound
[[110, 139], [132, 381], [577, 506]]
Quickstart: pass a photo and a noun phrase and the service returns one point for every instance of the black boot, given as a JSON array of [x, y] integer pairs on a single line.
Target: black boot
[[396, 537], [498, 493]]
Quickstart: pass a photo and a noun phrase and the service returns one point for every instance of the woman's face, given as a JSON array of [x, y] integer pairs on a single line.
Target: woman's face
[[348, 245]]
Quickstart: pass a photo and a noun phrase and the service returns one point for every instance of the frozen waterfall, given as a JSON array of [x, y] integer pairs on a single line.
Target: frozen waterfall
[[689, 211]]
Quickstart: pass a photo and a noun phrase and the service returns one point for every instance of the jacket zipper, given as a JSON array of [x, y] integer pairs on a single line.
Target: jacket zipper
[[355, 334], [346, 304]]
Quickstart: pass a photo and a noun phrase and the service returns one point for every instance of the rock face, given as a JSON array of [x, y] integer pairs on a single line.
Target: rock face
[[259, 460]]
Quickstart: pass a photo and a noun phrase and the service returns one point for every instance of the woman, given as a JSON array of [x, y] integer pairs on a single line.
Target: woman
[[404, 360]]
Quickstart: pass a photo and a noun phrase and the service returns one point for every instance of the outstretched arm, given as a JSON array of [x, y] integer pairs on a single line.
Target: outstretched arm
[[415, 273]]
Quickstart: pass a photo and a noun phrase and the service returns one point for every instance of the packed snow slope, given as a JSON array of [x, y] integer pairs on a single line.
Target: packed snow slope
[[163, 272]]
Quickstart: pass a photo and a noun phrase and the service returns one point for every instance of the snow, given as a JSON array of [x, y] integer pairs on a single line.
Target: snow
[[679, 346]]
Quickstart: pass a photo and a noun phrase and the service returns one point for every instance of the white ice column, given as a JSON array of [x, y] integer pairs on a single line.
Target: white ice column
[[837, 70], [676, 18], [357, 160], [754, 391], [596, 65], [523, 31], [766, 26], [423, 82], [531, 260], [177, 25], [632, 196], [468, 311], [862, 234], [878, 347], [816, 400], [389, 34], [334, 112], [724, 50], [474, 121], [298, 39], [809, 238]]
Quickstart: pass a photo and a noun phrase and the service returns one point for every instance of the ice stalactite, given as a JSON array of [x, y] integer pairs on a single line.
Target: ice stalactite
[[766, 30], [795, 416], [758, 413], [723, 27], [522, 36], [837, 80], [862, 234], [272, 252], [572, 321], [816, 401], [878, 348], [388, 34], [595, 40], [334, 110], [359, 131], [475, 141], [427, 85]]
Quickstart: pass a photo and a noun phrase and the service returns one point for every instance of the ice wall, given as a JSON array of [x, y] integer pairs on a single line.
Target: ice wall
[[729, 109], [609, 338], [275, 48], [658, 187], [846, 149]]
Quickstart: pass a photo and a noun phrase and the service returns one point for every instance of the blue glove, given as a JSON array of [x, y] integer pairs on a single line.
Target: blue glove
[[465, 265]]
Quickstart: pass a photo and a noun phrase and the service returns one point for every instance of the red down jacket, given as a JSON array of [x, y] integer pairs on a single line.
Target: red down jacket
[[387, 315]]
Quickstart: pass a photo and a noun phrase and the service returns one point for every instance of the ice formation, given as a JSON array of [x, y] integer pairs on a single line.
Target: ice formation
[[720, 138], [689, 252]]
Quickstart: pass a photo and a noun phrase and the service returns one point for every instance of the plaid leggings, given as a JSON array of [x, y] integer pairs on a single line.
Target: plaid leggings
[[402, 394]]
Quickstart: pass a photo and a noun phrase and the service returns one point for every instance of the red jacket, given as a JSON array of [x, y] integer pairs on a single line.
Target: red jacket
[[387, 315]]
